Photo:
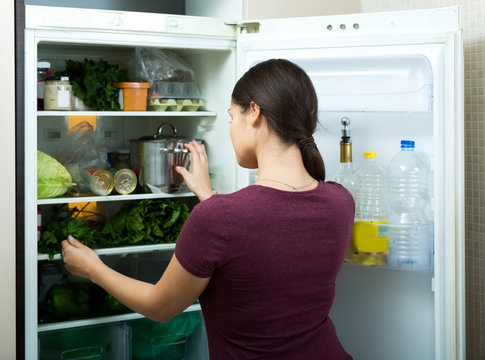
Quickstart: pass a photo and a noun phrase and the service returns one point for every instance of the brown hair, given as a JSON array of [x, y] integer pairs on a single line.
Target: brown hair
[[287, 98]]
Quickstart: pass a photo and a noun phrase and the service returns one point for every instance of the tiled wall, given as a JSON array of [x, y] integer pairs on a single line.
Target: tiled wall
[[474, 39]]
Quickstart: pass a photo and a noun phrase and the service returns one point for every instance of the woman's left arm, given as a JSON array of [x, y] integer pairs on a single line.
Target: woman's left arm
[[173, 293]]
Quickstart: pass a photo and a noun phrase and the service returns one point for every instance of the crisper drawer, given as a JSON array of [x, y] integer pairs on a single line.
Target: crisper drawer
[[109, 341], [183, 337]]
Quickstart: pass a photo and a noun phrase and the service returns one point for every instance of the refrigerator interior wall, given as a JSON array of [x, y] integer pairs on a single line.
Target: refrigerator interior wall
[[212, 69], [388, 93]]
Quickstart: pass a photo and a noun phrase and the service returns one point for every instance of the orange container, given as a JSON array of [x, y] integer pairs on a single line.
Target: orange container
[[134, 95]]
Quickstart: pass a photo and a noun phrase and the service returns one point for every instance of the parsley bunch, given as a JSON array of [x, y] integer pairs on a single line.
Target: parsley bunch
[[92, 82]]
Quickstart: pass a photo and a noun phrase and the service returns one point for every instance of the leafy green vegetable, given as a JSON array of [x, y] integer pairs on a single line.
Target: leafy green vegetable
[[52, 178], [54, 232], [146, 222], [92, 82]]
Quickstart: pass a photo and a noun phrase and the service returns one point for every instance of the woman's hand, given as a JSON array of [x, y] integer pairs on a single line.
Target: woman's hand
[[198, 180], [78, 258]]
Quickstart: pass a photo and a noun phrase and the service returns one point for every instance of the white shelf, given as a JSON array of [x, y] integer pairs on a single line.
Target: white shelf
[[94, 198], [101, 320], [120, 250], [127, 113]]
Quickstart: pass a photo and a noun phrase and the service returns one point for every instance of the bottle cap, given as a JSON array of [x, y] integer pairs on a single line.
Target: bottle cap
[[407, 144], [369, 155]]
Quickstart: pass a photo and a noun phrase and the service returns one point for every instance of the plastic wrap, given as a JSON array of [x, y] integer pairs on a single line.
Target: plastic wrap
[[79, 153], [173, 86], [159, 65]]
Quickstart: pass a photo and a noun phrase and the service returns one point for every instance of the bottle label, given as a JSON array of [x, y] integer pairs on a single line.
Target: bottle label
[[63, 98], [367, 239]]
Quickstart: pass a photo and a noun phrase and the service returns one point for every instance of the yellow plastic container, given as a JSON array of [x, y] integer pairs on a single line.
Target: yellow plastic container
[[369, 247], [133, 96]]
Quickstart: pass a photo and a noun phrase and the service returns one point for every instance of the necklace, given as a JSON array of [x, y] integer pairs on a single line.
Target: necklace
[[295, 188]]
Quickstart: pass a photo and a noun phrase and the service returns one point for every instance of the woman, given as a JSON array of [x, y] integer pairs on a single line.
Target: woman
[[263, 260]]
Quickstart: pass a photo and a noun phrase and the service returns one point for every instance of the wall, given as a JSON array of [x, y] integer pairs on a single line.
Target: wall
[[257, 9], [7, 182], [169, 7], [474, 34], [228, 9]]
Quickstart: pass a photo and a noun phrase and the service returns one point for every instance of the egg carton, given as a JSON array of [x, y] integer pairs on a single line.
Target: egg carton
[[174, 104]]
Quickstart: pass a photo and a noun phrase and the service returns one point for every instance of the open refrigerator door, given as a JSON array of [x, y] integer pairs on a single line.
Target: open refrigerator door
[[396, 76]]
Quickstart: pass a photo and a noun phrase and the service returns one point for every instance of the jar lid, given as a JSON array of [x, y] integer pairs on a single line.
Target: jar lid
[[57, 78], [43, 65], [131, 85]]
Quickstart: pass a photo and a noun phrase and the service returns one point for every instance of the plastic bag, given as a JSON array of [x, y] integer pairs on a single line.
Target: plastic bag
[[159, 65], [79, 153]]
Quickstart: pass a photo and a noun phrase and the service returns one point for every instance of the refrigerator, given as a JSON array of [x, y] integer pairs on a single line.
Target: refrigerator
[[396, 75]]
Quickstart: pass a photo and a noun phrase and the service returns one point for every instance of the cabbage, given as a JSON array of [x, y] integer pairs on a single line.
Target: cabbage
[[52, 178]]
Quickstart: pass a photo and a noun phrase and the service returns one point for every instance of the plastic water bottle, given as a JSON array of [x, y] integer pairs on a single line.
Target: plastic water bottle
[[369, 244], [410, 232]]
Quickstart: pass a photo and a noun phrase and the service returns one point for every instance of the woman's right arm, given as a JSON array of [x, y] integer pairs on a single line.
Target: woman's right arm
[[174, 292]]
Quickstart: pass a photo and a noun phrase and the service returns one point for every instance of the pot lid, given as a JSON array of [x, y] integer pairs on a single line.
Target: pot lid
[[160, 136]]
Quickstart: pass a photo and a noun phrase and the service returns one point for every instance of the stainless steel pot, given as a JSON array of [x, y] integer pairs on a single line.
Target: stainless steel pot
[[156, 156]]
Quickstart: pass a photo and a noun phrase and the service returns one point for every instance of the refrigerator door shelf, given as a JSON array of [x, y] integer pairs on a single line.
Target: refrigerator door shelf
[[373, 83]]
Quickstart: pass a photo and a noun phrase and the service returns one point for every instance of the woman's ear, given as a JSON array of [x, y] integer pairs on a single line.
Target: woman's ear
[[254, 113]]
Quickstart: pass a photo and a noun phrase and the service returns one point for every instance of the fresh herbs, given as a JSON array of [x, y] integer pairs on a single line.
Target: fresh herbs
[[145, 222], [92, 82], [58, 229]]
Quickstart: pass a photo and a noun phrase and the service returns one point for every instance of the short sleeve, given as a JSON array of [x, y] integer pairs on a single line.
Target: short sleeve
[[202, 240]]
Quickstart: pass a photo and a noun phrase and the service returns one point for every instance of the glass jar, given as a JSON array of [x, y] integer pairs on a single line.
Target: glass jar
[[43, 71], [122, 159], [57, 93]]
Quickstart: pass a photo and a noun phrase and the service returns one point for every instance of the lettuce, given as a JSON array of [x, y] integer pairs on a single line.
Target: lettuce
[[52, 178], [148, 221]]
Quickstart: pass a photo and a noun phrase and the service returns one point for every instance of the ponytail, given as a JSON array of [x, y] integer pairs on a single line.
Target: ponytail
[[312, 159]]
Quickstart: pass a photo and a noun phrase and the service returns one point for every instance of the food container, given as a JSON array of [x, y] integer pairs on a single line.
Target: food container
[[57, 93], [174, 96], [155, 157], [43, 72], [101, 182], [125, 181], [133, 95], [122, 159]]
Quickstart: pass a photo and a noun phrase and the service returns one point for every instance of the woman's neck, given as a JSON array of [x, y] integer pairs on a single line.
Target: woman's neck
[[282, 166]]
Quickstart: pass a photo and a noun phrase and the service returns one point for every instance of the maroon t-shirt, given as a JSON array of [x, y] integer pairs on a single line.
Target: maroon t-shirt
[[273, 257]]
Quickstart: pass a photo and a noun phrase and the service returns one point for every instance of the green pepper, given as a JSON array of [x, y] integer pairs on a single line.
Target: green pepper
[[68, 300], [112, 303]]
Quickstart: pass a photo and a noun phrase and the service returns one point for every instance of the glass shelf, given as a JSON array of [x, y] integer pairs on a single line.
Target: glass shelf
[[123, 250], [100, 320], [127, 113], [95, 198]]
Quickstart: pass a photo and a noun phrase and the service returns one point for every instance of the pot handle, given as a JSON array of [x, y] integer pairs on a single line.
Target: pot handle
[[160, 130]]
